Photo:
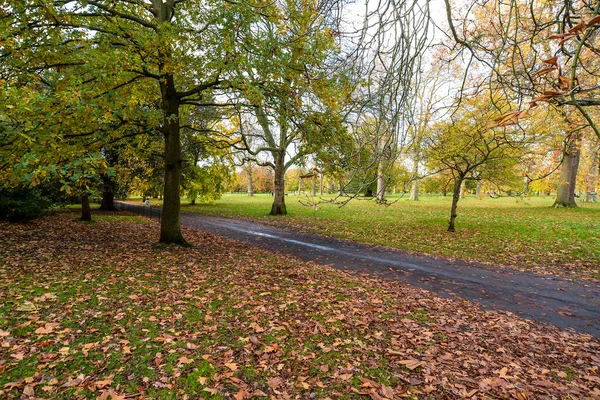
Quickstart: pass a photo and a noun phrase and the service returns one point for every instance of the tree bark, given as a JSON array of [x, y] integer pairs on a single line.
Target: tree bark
[[414, 192], [321, 184], [565, 196], [462, 190], [250, 183], [478, 190], [592, 178], [86, 211], [170, 227], [525, 185], [109, 188], [380, 183], [455, 197], [278, 207]]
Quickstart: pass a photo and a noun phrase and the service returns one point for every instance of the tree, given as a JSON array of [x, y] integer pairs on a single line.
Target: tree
[[172, 51], [466, 143], [539, 53], [294, 101], [428, 103]]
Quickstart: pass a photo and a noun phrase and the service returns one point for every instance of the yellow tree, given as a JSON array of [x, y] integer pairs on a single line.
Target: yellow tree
[[467, 143]]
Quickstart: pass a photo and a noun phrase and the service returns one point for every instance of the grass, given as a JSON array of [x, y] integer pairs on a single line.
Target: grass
[[524, 233], [94, 310]]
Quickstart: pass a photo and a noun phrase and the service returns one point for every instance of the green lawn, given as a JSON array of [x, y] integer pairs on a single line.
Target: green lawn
[[524, 233]]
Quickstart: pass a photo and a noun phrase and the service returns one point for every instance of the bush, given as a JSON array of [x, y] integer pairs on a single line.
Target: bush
[[21, 205]]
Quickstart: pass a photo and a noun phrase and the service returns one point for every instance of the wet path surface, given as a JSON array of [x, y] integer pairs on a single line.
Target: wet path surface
[[544, 298]]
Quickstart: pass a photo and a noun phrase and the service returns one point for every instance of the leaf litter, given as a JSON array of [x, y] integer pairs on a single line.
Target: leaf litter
[[99, 311]]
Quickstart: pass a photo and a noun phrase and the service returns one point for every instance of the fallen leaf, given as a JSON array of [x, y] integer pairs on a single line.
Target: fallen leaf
[[232, 366], [411, 363]]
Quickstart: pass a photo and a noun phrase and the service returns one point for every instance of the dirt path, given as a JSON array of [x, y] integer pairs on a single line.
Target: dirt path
[[544, 298]]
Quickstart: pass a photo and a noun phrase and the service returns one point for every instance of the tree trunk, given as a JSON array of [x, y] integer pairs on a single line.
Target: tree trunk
[[380, 183], [414, 192], [565, 196], [526, 185], [462, 190], [278, 207], [250, 185], [321, 185], [193, 202], [109, 187], [455, 197], [478, 191], [170, 227], [592, 179], [86, 211]]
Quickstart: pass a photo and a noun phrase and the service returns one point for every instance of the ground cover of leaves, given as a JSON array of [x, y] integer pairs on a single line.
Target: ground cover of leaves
[[97, 310]]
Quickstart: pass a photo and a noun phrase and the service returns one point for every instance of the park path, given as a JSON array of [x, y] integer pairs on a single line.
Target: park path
[[559, 301]]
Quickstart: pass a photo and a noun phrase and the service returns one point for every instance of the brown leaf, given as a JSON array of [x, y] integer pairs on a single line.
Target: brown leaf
[[543, 71], [28, 391], [254, 340], [74, 382], [46, 329], [411, 363], [345, 377], [184, 360], [524, 114], [593, 21], [561, 35], [257, 328], [580, 27], [105, 382], [202, 380], [564, 82], [274, 382], [387, 391], [553, 93], [552, 61], [232, 366], [541, 98]]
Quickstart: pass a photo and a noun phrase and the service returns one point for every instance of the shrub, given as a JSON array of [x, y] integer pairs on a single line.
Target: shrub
[[20, 205]]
